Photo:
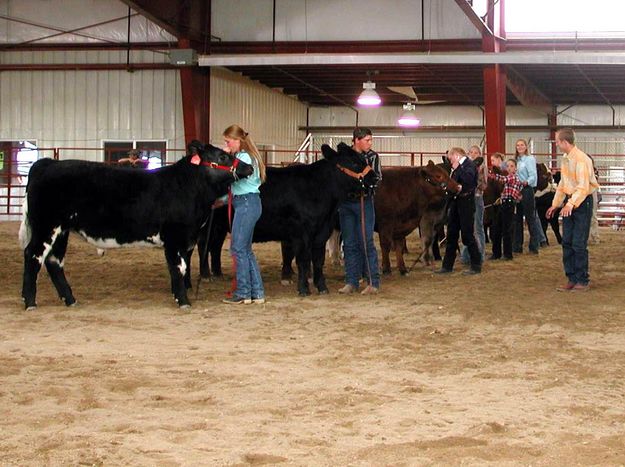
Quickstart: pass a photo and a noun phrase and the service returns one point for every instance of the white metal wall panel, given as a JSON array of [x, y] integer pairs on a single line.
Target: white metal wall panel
[[269, 116], [331, 20], [519, 115], [396, 148], [74, 14], [445, 20], [388, 115], [83, 108], [591, 115]]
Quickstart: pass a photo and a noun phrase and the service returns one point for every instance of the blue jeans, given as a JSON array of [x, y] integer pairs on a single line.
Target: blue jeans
[[526, 208], [575, 230], [478, 227], [353, 246], [247, 210], [539, 227]]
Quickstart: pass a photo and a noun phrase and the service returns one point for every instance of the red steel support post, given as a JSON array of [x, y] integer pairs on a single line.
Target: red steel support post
[[195, 84], [553, 123], [495, 80]]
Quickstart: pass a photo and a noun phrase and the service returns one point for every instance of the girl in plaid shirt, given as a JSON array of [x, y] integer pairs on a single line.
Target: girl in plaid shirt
[[504, 213]]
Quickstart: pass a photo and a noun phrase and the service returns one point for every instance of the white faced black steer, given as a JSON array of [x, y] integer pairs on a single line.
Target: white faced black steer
[[113, 207]]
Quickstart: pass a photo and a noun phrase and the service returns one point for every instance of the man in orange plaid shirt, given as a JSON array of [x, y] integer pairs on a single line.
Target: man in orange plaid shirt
[[575, 191]]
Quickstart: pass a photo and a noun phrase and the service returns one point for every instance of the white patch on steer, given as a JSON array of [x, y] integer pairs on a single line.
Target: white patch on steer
[[107, 243], [333, 247], [54, 260], [100, 251], [47, 247], [156, 240], [182, 267], [24, 233]]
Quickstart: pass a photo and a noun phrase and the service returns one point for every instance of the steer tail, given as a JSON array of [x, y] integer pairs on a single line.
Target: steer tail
[[25, 233]]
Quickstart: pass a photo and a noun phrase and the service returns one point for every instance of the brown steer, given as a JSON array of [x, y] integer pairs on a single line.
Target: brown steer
[[410, 197]]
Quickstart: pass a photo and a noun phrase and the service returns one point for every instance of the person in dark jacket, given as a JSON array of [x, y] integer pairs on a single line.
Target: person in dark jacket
[[361, 257], [461, 212]]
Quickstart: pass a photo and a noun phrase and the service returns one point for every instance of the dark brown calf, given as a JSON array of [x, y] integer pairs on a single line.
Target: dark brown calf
[[410, 197]]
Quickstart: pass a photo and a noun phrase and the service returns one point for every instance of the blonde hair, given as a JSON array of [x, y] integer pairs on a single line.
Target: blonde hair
[[247, 145], [475, 146], [527, 149], [458, 151]]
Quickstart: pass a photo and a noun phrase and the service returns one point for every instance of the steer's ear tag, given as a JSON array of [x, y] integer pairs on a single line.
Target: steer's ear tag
[[195, 160]]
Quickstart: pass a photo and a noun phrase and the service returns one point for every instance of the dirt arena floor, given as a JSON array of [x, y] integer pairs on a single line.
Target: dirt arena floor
[[498, 369]]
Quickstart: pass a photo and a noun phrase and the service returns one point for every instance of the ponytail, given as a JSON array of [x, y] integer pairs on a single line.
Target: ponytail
[[247, 145]]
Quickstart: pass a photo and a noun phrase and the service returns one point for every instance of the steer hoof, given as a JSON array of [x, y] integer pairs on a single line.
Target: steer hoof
[[286, 282], [403, 273], [304, 294], [31, 308], [69, 301], [386, 273], [324, 291], [185, 307]]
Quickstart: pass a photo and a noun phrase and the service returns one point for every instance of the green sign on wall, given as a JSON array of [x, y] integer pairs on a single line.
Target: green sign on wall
[[1, 160]]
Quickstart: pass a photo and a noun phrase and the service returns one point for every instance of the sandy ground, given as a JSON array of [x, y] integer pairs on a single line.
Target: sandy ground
[[492, 370]]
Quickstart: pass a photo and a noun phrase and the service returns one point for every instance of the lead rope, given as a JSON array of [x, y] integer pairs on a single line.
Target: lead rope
[[364, 236], [233, 286], [204, 256]]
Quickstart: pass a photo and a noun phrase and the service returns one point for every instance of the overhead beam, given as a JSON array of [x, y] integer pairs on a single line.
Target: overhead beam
[[468, 58], [86, 66], [454, 128], [473, 17], [594, 86], [75, 46], [352, 47], [526, 93], [188, 19]]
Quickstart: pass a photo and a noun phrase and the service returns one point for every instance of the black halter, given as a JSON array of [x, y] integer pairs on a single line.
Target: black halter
[[442, 185]]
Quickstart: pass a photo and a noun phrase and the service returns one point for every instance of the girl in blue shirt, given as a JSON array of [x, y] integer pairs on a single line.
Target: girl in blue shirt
[[247, 211], [526, 171]]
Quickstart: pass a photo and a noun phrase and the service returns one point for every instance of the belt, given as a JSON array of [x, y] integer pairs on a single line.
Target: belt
[[356, 196]]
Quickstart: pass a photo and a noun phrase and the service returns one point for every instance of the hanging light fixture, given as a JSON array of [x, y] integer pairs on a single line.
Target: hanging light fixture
[[368, 96], [409, 116]]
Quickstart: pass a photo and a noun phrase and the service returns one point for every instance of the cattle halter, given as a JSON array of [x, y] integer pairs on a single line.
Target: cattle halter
[[195, 160], [351, 173], [442, 185]]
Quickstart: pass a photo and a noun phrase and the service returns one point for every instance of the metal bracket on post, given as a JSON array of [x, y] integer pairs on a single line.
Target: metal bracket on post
[[301, 155]]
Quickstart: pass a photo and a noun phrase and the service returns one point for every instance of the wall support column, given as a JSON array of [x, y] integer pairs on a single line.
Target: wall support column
[[495, 79], [195, 84]]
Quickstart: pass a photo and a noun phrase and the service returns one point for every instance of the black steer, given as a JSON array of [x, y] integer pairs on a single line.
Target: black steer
[[299, 203], [112, 207]]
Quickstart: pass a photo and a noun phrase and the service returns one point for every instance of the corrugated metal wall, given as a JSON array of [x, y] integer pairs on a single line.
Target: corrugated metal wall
[[608, 142], [83, 108], [269, 116], [332, 20], [76, 15]]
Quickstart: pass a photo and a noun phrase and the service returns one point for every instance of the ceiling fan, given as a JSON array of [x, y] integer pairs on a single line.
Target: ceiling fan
[[408, 91]]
